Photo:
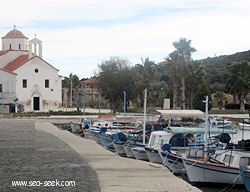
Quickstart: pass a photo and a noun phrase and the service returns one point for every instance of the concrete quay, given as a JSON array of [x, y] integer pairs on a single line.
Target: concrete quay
[[117, 173], [38, 150]]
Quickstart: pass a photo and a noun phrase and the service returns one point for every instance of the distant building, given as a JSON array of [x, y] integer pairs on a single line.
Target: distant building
[[25, 77], [90, 86]]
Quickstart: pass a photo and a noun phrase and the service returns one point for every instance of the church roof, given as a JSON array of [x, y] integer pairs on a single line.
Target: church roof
[[8, 71], [19, 61], [14, 34], [3, 52]]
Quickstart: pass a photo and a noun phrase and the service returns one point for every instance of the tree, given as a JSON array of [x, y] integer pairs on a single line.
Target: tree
[[239, 81], [70, 85], [200, 97], [179, 60], [220, 98], [115, 77], [66, 82], [196, 78]]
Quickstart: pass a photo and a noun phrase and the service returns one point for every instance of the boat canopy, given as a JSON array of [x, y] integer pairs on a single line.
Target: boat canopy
[[201, 130], [181, 113]]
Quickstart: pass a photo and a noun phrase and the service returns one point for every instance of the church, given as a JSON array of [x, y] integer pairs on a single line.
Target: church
[[25, 77]]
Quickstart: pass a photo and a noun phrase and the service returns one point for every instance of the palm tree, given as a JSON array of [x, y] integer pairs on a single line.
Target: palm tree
[[172, 60], [239, 81], [179, 60], [183, 52]]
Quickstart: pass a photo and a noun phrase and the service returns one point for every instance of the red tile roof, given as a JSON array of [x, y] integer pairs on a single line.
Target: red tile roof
[[3, 52], [8, 71], [92, 80], [18, 62]]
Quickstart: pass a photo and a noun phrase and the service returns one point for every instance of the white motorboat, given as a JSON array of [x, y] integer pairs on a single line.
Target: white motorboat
[[221, 167]]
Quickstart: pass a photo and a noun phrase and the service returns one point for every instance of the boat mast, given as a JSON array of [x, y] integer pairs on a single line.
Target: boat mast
[[144, 119], [206, 127]]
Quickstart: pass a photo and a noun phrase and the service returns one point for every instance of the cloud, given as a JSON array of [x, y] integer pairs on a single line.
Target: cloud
[[79, 34]]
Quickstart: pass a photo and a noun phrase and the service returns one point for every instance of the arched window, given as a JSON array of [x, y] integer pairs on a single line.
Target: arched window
[[19, 46], [10, 46]]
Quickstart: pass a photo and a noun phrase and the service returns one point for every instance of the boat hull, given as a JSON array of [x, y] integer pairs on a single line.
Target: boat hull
[[173, 162], [140, 153], [129, 151], [201, 172], [153, 155], [119, 148], [75, 128], [107, 141]]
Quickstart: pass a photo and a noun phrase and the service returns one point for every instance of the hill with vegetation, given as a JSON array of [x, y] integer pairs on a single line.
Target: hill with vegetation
[[216, 68]]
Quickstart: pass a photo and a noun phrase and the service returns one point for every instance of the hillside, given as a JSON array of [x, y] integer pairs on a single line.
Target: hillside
[[217, 68]]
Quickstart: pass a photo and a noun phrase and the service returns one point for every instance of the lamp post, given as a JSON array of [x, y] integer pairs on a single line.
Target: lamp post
[[124, 102]]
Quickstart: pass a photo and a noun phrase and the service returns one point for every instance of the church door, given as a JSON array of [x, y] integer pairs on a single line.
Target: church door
[[36, 103]]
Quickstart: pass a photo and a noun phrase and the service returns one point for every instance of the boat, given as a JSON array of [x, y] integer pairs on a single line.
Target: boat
[[181, 138], [245, 125], [140, 153], [94, 133], [75, 128], [119, 141], [220, 167], [154, 147], [220, 122], [107, 139], [134, 140], [128, 150], [119, 148], [245, 175]]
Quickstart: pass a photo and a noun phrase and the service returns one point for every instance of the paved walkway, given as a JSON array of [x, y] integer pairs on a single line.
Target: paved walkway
[[41, 159], [39, 151]]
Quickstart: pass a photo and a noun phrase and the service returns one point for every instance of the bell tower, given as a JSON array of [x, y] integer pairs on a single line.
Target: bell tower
[[35, 46]]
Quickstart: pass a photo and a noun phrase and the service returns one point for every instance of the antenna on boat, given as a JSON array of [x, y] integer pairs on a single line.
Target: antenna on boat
[[144, 119]]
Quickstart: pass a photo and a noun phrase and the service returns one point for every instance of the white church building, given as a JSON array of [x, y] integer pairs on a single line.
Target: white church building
[[25, 77]]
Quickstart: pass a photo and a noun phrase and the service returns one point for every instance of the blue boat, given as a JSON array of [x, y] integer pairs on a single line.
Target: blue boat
[[245, 174], [107, 140]]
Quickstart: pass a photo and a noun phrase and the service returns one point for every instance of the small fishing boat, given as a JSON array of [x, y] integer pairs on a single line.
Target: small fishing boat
[[220, 167], [140, 153], [119, 141], [244, 126], [107, 140], [75, 127]]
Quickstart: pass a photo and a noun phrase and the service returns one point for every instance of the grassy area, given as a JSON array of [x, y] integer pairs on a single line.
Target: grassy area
[[228, 111]]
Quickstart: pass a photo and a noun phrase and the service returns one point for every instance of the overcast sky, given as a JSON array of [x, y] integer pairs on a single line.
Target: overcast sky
[[78, 35]]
